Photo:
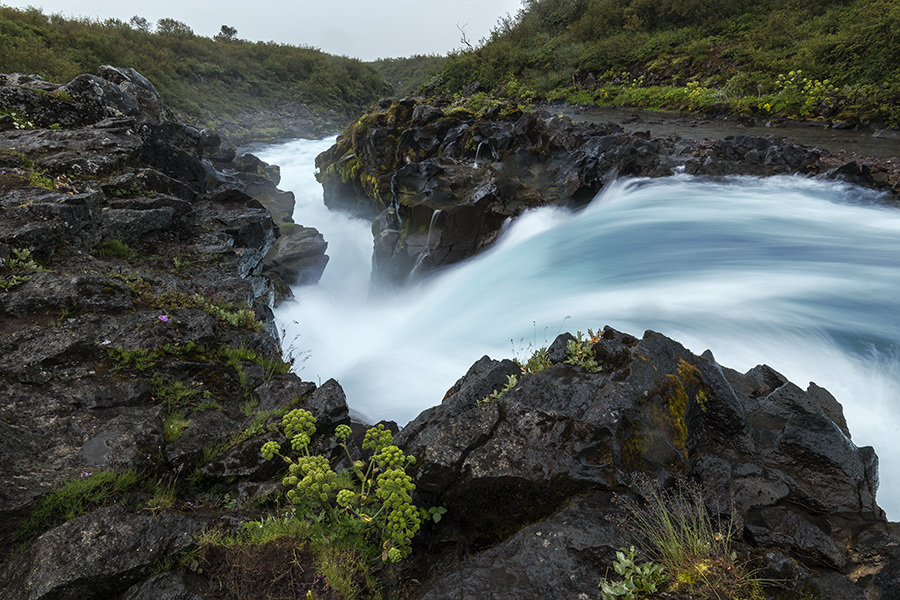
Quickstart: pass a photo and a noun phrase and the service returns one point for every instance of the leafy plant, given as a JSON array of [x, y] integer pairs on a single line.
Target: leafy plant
[[581, 354], [636, 579], [538, 361], [370, 501], [511, 382], [12, 272]]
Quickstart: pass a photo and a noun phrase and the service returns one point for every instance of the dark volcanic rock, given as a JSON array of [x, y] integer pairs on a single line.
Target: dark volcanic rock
[[102, 553], [553, 558], [655, 409], [440, 182], [132, 298]]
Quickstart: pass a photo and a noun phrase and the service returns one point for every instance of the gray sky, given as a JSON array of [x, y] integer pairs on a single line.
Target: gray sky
[[366, 29]]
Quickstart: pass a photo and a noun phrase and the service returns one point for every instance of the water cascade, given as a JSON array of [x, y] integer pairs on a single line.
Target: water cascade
[[426, 249], [800, 274]]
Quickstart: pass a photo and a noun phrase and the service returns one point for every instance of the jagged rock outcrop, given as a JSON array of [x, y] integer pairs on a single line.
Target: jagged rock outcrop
[[101, 553], [440, 181], [136, 334], [114, 125], [528, 479]]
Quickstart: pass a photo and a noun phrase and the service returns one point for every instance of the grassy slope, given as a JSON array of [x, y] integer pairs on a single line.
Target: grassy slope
[[732, 55], [196, 76], [405, 75]]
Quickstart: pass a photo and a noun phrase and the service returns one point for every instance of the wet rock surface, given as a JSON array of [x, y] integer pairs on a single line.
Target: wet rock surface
[[439, 182], [528, 479]]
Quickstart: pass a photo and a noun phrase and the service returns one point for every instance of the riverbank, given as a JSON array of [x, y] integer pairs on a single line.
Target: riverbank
[[852, 143]]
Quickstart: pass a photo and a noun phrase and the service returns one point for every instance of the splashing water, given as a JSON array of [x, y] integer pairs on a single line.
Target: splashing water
[[796, 273]]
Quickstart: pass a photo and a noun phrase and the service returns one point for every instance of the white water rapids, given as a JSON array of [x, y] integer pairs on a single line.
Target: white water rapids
[[800, 274]]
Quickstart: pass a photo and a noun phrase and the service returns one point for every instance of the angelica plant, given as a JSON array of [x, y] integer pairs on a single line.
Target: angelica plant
[[371, 498]]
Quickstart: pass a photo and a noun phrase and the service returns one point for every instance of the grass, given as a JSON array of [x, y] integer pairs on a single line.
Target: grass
[[72, 499], [694, 548], [174, 426], [719, 55], [343, 563], [114, 247]]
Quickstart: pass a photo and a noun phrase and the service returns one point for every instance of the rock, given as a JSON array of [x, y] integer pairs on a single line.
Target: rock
[[153, 109], [654, 408], [42, 219], [110, 99], [329, 405], [414, 159], [172, 585], [114, 550], [174, 149], [142, 219], [101, 349], [299, 258], [553, 558], [91, 293], [144, 181], [424, 113], [851, 172]]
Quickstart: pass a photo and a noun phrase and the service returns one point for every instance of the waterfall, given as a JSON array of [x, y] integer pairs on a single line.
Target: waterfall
[[800, 274], [426, 250]]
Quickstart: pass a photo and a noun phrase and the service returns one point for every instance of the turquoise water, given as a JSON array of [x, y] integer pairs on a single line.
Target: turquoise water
[[796, 273]]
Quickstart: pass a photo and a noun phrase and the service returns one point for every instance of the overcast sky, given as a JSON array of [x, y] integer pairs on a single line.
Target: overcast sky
[[366, 29]]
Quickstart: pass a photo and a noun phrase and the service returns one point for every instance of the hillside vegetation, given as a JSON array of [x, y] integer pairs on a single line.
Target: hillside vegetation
[[197, 76], [405, 75], [831, 59]]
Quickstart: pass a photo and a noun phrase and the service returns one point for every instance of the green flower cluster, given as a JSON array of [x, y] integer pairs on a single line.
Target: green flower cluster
[[392, 457], [343, 432], [381, 505], [270, 449], [377, 438], [403, 519], [298, 421], [310, 478]]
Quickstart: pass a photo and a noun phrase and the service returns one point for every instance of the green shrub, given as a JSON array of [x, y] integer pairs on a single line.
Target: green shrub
[[114, 247]]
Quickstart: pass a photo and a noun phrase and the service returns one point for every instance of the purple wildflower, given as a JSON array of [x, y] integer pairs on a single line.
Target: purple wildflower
[[163, 318]]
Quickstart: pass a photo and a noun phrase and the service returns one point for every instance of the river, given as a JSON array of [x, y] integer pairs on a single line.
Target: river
[[800, 274]]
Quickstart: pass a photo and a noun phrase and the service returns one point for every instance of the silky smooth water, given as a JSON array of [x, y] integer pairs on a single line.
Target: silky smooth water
[[800, 274]]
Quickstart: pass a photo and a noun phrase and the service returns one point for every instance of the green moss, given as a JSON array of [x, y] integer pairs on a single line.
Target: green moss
[[673, 422], [114, 247], [634, 451]]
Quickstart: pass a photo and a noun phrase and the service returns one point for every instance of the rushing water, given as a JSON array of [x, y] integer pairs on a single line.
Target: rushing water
[[799, 274]]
